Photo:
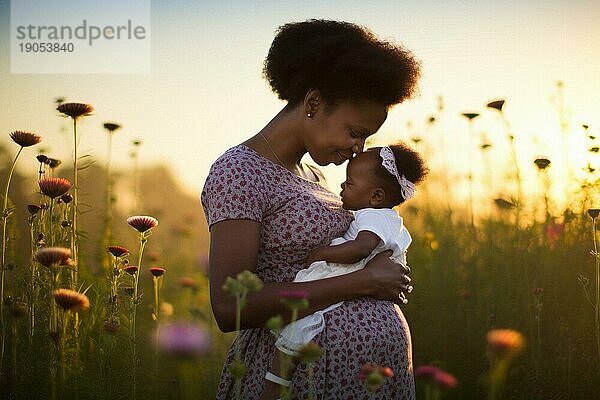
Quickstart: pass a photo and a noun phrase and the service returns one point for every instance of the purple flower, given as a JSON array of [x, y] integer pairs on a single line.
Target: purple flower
[[183, 340]]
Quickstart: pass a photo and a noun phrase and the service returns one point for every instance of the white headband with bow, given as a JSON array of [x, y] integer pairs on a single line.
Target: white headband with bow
[[407, 188]]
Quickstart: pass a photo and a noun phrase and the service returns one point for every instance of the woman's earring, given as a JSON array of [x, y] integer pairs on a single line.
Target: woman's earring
[[309, 115]]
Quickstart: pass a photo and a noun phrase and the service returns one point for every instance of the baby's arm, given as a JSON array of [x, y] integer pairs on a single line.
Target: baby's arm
[[348, 252]]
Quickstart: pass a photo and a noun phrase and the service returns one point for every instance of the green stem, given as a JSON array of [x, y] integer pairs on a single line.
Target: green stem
[[135, 300], [470, 180], [597, 302], [286, 362], [238, 321], [14, 353], [5, 215], [32, 286], [63, 342], [155, 285], [155, 366], [156, 339], [53, 310], [133, 350], [108, 211], [74, 240], [50, 228]]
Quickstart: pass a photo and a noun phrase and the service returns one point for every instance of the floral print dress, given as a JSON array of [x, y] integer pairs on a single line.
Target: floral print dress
[[297, 215]]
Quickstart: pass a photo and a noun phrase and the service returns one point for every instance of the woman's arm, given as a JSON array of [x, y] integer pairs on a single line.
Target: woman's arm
[[234, 247]]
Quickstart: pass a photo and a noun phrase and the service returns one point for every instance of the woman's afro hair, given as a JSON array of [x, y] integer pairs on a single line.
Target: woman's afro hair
[[344, 61]]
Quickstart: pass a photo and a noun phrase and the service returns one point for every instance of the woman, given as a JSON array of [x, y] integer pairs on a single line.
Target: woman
[[266, 210]]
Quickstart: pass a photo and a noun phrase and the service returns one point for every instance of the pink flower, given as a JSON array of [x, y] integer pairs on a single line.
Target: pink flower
[[25, 139], [71, 300], [293, 294], [553, 233], [54, 256], [294, 299], [437, 376], [153, 256], [157, 271], [426, 371], [131, 269], [142, 223], [187, 282], [54, 187], [445, 380], [117, 251]]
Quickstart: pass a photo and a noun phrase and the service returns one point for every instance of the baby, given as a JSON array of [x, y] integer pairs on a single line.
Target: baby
[[376, 181]]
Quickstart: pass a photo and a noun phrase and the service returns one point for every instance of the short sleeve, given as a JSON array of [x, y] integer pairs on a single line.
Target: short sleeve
[[373, 220], [386, 224], [234, 189]]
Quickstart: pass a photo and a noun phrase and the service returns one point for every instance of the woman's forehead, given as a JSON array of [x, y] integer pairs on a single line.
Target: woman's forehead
[[367, 115]]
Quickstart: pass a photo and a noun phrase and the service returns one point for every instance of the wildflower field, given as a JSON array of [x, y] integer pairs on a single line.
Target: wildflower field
[[104, 287]]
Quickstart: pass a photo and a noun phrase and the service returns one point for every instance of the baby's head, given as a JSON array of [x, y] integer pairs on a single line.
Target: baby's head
[[371, 180]]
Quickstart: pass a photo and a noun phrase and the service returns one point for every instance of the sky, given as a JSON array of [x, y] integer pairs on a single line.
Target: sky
[[204, 91]]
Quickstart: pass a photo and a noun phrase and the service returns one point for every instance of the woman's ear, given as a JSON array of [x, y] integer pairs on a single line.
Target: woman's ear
[[312, 102], [377, 197]]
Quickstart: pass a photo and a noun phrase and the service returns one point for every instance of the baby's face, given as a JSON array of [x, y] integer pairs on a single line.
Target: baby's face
[[359, 185]]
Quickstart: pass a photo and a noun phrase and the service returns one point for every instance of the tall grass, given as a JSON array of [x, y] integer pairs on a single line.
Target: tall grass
[[522, 264]]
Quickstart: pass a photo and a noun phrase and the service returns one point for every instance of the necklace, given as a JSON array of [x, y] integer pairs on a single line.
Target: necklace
[[270, 148], [298, 171]]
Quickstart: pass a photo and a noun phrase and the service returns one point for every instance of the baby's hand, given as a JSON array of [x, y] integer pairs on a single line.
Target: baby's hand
[[315, 254]]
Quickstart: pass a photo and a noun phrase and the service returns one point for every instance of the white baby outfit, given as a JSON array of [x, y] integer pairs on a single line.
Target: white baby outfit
[[386, 224]]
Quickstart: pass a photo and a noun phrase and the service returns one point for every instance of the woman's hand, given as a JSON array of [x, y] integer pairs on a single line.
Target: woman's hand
[[387, 280]]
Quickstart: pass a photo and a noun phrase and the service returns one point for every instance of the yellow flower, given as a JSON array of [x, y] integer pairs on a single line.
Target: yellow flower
[[166, 309]]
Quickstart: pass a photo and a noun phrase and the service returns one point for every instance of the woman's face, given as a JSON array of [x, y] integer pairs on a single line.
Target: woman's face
[[337, 135]]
